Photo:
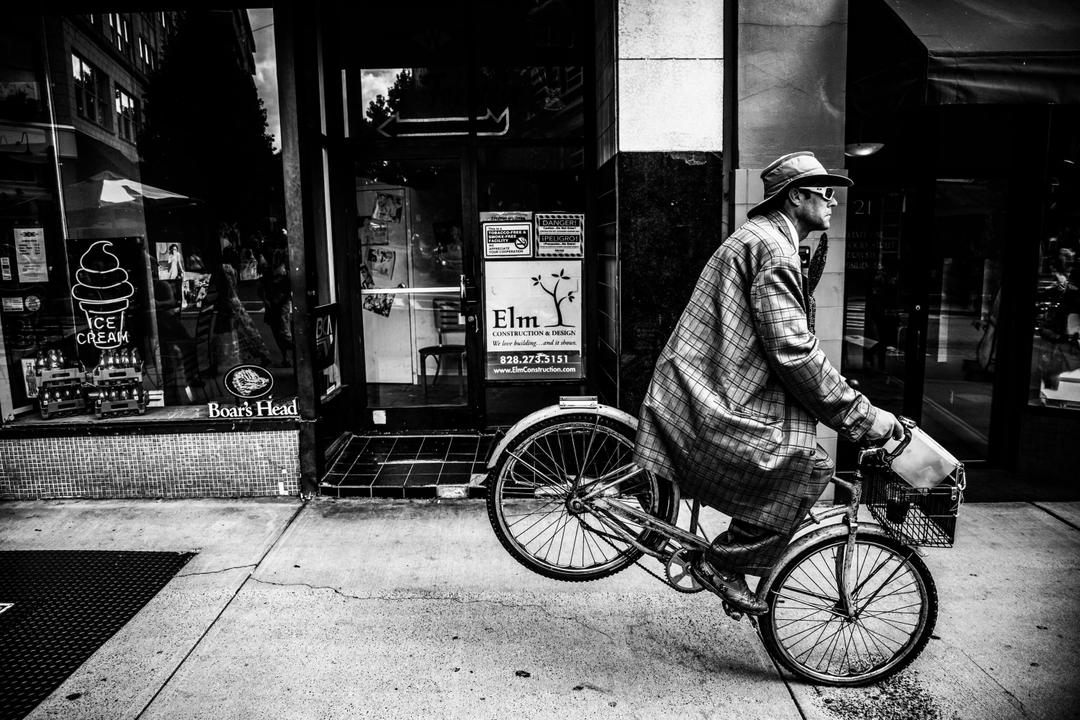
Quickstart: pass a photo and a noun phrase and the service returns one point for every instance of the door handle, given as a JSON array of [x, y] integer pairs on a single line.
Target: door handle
[[469, 295]]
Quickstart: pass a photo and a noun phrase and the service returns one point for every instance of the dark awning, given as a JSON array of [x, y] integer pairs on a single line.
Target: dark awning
[[996, 51]]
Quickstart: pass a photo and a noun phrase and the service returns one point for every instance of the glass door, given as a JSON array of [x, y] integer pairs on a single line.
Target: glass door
[[921, 308], [412, 261], [963, 305]]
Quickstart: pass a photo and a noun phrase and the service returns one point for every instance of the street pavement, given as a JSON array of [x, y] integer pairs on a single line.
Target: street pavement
[[412, 609]]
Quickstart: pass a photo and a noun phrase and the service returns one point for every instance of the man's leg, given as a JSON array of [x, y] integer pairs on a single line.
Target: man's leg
[[748, 549]]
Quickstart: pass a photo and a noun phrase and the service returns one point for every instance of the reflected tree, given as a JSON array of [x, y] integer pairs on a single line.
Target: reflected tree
[[205, 130]]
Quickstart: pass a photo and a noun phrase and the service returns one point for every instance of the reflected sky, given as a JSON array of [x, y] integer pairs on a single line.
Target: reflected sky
[[262, 28], [376, 82]]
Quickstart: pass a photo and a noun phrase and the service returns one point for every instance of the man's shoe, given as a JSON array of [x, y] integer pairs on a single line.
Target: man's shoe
[[730, 586]]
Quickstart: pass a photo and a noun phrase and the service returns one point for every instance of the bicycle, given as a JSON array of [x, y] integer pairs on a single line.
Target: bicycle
[[849, 603]]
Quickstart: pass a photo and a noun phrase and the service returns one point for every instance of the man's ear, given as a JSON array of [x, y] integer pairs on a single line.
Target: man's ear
[[794, 197]]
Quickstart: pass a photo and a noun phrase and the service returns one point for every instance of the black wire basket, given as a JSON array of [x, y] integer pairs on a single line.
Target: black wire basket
[[916, 516]]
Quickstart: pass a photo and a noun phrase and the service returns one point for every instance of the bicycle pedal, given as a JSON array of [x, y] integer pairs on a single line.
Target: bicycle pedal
[[732, 613]]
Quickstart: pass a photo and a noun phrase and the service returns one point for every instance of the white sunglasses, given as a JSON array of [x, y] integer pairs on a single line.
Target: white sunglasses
[[826, 192]]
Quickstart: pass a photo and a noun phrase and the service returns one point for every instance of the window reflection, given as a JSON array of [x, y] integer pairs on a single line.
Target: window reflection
[[1055, 362], [153, 164]]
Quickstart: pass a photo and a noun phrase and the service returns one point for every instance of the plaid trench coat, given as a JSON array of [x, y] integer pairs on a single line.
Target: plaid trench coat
[[731, 412]]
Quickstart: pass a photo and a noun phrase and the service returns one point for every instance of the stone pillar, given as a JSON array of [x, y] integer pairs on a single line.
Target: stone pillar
[[670, 75]]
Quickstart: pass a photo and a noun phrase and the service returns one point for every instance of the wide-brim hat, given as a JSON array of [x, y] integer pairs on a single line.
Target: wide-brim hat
[[797, 169]]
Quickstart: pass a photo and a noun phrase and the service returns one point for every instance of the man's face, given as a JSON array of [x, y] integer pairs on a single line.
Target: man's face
[[815, 211]]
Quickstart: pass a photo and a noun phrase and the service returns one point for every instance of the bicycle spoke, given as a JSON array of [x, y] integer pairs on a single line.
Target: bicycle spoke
[[545, 547], [530, 498], [552, 481], [553, 522], [555, 506], [557, 464]]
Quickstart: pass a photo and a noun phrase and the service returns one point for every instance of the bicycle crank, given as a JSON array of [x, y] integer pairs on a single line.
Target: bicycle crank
[[678, 575]]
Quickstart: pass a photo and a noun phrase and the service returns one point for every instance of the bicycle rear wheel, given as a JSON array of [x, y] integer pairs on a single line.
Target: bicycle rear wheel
[[895, 602], [529, 498]]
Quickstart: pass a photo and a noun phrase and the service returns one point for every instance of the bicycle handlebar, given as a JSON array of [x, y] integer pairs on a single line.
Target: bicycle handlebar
[[909, 424]]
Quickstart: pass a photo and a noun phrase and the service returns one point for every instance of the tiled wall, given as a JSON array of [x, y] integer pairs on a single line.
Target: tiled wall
[[606, 127], [608, 332], [219, 464]]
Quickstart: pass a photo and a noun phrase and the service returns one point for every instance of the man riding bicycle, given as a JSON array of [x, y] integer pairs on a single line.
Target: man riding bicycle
[[736, 395]]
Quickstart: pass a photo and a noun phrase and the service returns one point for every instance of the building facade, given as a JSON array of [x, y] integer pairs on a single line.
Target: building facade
[[478, 206]]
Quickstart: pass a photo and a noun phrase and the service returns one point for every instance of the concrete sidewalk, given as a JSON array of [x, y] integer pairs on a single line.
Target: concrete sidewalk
[[387, 609]]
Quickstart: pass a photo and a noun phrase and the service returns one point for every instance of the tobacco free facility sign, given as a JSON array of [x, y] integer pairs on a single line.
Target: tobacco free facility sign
[[533, 320], [507, 239]]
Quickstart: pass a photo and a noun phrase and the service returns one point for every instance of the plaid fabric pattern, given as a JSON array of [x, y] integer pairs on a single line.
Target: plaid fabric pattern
[[731, 412]]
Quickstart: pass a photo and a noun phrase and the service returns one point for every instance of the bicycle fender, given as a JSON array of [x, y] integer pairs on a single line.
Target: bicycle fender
[[814, 536], [566, 406]]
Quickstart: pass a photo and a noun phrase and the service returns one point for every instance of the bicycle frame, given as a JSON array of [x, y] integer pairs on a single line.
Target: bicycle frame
[[616, 513]]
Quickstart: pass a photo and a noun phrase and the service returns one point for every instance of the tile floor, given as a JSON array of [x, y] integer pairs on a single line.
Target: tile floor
[[405, 466]]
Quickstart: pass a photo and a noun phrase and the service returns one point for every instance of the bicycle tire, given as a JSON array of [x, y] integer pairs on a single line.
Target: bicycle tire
[[529, 489], [803, 632]]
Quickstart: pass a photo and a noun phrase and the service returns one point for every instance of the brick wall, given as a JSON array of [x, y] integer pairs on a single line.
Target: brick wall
[[219, 464]]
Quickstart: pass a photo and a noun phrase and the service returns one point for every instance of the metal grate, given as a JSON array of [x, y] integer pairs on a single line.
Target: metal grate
[[64, 605]]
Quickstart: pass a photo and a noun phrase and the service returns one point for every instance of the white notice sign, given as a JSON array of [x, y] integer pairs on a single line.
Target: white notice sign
[[533, 320], [30, 255], [507, 239]]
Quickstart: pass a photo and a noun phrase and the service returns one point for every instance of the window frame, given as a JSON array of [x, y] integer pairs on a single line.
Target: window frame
[[147, 56], [127, 124], [120, 33], [88, 83]]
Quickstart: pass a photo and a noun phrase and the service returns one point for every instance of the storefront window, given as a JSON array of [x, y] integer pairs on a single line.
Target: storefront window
[[143, 263], [1055, 363]]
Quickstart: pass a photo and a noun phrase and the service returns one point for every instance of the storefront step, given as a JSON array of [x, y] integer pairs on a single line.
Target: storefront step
[[409, 466]]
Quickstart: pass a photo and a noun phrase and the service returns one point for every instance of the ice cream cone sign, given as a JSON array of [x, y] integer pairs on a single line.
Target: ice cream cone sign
[[103, 294]]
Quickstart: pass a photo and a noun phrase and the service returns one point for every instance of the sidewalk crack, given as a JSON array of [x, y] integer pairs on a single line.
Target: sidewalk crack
[[218, 571], [446, 598]]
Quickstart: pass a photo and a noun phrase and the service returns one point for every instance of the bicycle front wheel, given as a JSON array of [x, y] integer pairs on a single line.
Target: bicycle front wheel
[[535, 517], [895, 608]]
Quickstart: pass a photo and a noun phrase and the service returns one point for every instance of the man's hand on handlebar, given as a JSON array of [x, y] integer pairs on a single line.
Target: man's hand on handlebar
[[886, 426]]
